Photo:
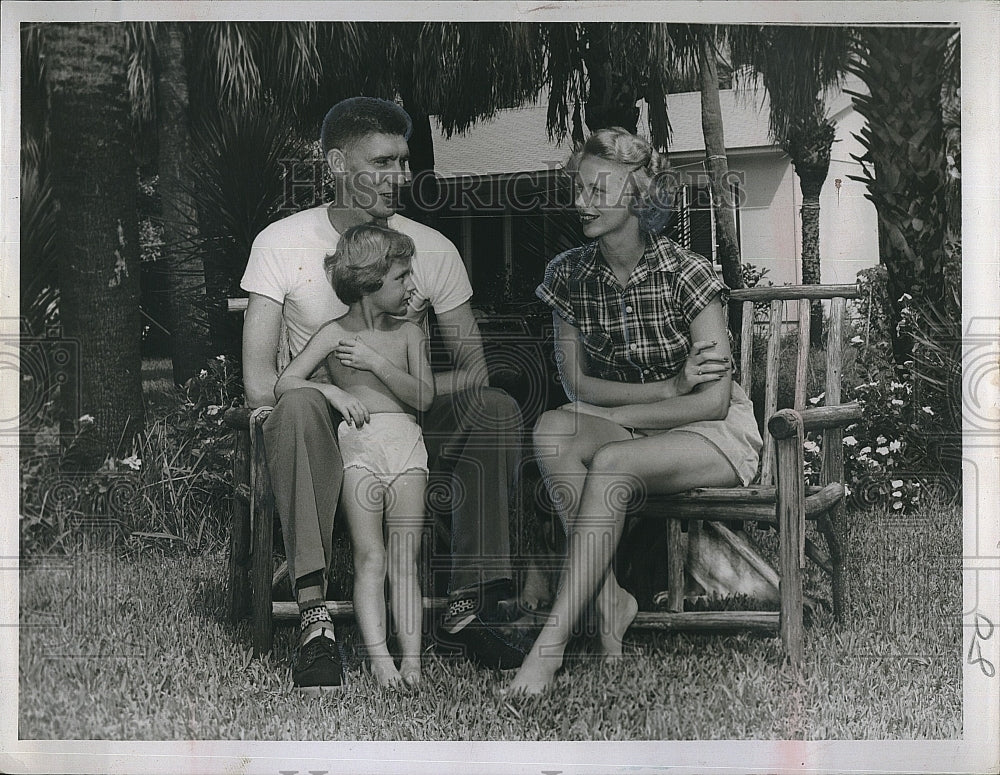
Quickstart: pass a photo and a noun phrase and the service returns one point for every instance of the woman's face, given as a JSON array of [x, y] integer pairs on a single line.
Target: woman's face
[[602, 193]]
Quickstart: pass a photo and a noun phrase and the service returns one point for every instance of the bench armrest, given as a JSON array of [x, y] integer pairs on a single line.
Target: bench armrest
[[783, 423], [238, 417]]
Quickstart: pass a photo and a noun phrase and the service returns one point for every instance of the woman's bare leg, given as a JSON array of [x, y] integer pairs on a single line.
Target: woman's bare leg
[[362, 499], [617, 472], [566, 443], [404, 516]]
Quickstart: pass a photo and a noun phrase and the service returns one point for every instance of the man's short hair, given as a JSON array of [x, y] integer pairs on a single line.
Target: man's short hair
[[363, 257], [357, 117]]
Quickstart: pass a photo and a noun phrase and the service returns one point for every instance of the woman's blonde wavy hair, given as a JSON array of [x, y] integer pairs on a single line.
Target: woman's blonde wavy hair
[[615, 144]]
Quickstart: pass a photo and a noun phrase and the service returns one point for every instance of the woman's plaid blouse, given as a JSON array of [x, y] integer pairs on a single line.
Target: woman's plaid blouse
[[639, 333]]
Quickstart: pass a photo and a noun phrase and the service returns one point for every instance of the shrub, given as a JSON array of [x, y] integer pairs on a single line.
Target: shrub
[[170, 488]]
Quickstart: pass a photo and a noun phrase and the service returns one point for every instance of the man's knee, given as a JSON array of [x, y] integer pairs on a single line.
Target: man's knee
[[489, 408], [302, 402]]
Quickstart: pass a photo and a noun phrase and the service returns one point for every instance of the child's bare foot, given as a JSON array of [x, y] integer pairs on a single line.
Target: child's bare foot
[[613, 624], [409, 669], [385, 671]]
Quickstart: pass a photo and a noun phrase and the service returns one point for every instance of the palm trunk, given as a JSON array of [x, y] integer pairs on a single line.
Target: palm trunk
[[94, 179], [185, 267], [718, 170], [809, 145]]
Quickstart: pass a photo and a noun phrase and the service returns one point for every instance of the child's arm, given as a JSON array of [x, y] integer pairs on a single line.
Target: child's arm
[[296, 375], [415, 389]]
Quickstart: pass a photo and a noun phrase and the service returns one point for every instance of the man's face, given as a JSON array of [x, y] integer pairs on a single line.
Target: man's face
[[373, 167]]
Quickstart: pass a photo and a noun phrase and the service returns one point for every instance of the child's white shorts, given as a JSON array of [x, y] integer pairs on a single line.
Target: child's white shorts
[[389, 444]]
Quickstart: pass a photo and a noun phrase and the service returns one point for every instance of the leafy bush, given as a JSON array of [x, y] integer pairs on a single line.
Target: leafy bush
[[892, 455], [170, 489]]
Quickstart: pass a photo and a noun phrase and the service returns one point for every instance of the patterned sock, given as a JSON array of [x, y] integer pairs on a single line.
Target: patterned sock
[[313, 612]]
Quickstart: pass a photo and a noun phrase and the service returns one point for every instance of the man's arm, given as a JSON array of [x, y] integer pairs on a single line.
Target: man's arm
[[261, 332], [461, 337]]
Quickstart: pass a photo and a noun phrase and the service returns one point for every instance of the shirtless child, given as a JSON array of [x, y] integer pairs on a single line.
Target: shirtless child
[[379, 378]]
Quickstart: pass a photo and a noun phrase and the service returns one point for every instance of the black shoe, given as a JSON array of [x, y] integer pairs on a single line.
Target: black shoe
[[318, 666], [497, 646]]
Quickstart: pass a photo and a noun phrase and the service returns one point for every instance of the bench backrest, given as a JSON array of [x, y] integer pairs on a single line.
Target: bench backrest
[[779, 299]]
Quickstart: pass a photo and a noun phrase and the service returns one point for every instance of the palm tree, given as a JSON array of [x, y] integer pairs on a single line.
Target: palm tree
[[158, 87], [911, 168], [94, 180], [797, 65]]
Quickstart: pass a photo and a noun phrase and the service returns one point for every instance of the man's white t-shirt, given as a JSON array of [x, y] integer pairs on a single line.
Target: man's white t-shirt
[[286, 265]]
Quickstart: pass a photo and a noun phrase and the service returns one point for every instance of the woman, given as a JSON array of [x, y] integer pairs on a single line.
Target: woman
[[643, 353]]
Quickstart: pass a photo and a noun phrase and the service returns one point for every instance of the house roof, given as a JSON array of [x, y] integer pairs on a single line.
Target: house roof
[[515, 140]]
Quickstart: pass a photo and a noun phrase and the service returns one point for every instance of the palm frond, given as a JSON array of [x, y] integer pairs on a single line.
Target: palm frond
[[140, 71]]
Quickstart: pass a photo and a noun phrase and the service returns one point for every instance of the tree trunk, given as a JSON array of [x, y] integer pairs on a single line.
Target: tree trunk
[[94, 178], [718, 170], [809, 145], [186, 302]]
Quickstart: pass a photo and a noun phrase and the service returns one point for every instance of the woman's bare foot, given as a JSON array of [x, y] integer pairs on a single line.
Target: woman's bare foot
[[385, 671], [409, 669], [613, 624], [537, 670]]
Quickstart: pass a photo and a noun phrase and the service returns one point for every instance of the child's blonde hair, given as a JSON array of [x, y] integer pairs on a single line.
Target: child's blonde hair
[[363, 257]]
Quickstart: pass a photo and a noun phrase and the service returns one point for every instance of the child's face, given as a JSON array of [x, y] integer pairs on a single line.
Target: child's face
[[397, 288]]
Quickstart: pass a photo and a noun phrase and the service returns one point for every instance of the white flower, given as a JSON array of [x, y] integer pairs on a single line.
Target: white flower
[[213, 410], [810, 446], [880, 439], [905, 296], [896, 483], [896, 494], [220, 358], [895, 445], [897, 506], [86, 419], [927, 410], [856, 340], [850, 441], [882, 451], [896, 385], [133, 462], [203, 373], [817, 399], [864, 450], [896, 402]]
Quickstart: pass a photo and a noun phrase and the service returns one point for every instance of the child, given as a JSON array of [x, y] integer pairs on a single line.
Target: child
[[379, 376]]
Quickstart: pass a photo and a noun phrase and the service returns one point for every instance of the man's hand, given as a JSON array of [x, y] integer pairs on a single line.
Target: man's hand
[[701, 367], [358, 355], [352, 409]]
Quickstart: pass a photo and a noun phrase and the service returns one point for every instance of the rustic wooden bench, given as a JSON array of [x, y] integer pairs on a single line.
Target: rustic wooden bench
[[780, 496]]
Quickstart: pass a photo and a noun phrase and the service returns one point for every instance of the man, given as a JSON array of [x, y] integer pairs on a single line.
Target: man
[[472, 431]]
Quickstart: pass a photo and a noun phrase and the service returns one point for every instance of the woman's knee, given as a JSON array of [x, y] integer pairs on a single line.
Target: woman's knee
[[554, 424], [614, 463]]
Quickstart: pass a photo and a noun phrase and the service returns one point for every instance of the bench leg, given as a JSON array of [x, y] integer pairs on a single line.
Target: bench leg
[[833, 528], [791, 526], [675, 564], [262, 534], [238, 589]]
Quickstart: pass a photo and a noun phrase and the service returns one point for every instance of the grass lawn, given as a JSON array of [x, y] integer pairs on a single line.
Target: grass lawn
[[137, 648]]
